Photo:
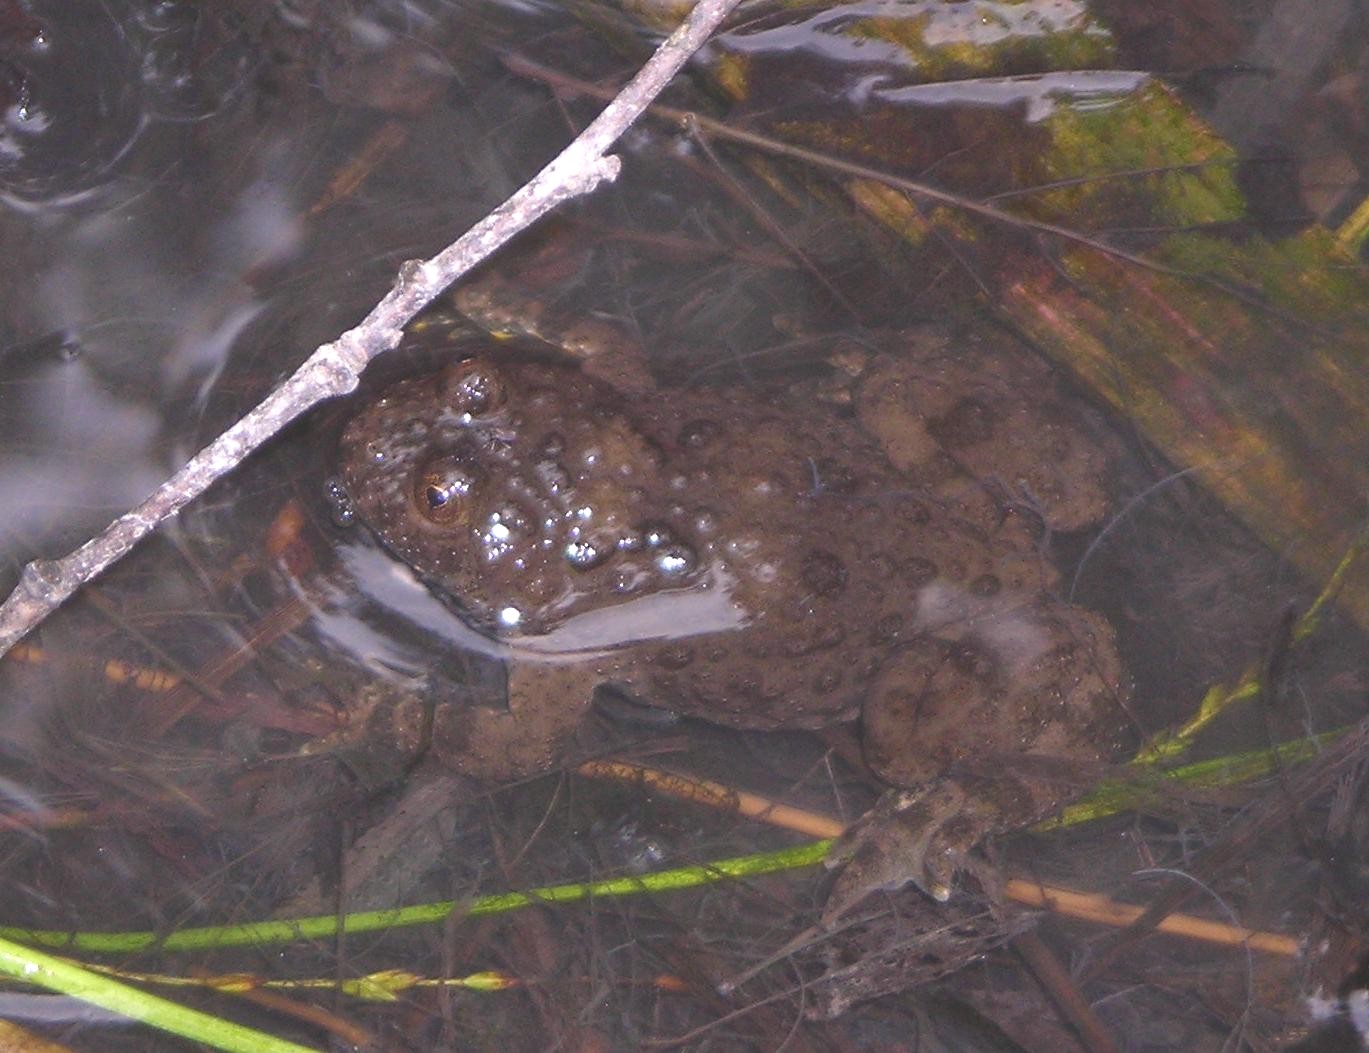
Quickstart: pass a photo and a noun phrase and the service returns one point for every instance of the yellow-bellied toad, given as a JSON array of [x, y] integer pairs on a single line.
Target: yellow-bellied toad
[[746, 561]]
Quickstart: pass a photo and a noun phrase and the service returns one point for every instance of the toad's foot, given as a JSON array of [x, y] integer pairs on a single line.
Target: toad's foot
[[603, 348], [926, 836], [922, 837], [996, 413]]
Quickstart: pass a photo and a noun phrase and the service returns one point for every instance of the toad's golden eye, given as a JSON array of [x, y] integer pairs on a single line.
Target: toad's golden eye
[[473, 387], [445, 487]]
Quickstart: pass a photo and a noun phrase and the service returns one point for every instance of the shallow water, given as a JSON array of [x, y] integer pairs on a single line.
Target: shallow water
[[193, 199]]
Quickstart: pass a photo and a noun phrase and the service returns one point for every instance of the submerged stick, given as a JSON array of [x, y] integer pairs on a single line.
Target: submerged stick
[[335, 368]]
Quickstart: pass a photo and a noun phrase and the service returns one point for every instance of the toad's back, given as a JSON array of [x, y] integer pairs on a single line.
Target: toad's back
[[745, 561]]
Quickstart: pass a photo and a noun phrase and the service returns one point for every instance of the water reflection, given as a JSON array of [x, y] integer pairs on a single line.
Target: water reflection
[[159, 189], [74, 447], [75, 105]]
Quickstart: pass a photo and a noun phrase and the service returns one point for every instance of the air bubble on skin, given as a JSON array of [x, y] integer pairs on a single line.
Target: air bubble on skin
[[473, 390], [496, 538], [512, 517], [585, 555], [340, 507], [676, 560], [654, 535]]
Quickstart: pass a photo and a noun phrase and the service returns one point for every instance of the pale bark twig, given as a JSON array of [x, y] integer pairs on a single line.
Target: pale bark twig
[[335, 368]]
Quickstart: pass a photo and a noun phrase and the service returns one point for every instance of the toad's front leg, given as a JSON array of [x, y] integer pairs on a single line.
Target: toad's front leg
[[530, 735]]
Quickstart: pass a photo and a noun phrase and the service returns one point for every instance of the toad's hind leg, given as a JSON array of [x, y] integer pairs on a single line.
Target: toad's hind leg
[[530, 735], [983, 732]]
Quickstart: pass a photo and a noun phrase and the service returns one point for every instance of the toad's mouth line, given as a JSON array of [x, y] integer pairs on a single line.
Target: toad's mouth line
[[670, 614], [667, 615], [674, 614]]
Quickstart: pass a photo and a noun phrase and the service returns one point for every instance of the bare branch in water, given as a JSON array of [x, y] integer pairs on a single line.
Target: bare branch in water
[[335, 368]]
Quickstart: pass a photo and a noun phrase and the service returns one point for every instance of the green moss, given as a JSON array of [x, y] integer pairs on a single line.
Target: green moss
[[1306, 275], [732, 73], [1088, 48], [891, 209], [661, 15], [1183, 173]]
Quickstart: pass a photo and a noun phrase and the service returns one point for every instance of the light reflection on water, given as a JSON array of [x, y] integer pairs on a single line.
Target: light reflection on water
[[155, 176]]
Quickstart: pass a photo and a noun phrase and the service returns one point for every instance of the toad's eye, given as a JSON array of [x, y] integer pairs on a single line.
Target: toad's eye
[[445, 488], [473, 388]]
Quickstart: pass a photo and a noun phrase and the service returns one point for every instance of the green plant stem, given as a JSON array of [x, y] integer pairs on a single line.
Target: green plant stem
[[56, 974], [1169, 745], [1122, 794], [1108, 799], [1353, 232], [323, 927]]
